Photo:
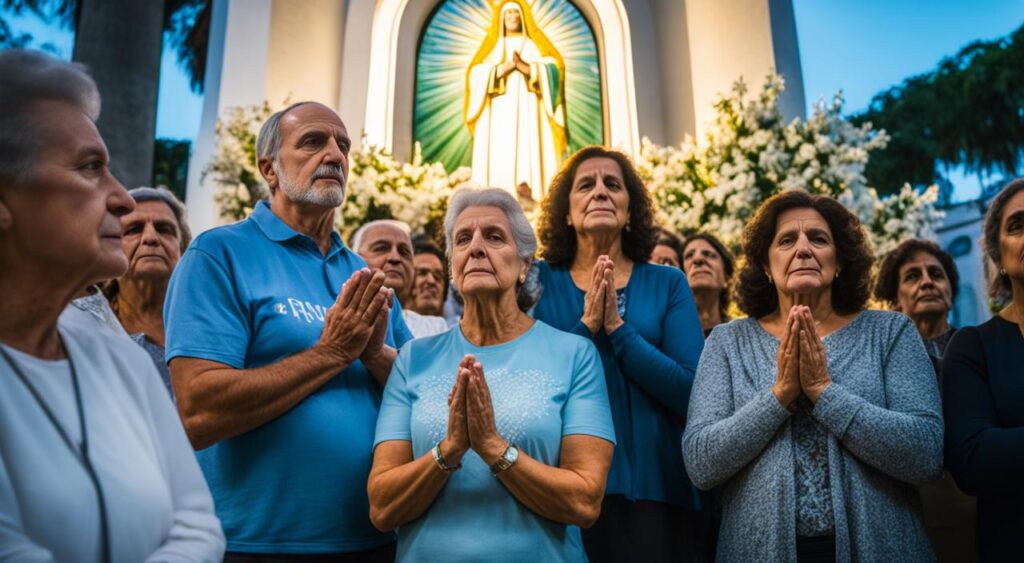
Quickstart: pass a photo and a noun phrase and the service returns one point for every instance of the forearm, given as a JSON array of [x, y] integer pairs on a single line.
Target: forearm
[[379, 365], [558, 494], [195, 534], [904, 445], [661, 376], [222, 402], [989, 462], [401, 494], [715, 450]]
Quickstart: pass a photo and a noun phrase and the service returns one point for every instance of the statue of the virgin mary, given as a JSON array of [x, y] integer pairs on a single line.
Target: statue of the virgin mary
[[515, 103]]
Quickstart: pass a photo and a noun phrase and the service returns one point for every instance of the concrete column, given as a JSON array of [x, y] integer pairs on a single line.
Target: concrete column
[[236, 72]]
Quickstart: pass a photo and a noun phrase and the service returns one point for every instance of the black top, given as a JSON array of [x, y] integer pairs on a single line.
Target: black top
[[983, 399]]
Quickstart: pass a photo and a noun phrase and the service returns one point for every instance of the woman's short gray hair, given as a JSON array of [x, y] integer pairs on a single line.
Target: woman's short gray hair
[[30, 77], [528, 293], [164, 195]]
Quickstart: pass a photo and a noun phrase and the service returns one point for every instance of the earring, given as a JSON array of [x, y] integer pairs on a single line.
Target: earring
[[1002, 271], [627, 227], [770, 280], [837, 274]]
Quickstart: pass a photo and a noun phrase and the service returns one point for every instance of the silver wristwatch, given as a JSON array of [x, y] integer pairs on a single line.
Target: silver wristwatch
[[440, 461], [507, 459]]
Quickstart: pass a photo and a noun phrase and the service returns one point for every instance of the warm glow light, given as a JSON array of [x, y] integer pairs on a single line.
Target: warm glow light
[[620, 88]]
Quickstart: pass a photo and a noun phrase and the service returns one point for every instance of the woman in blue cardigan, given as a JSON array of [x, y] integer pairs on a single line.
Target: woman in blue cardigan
[[598, 230]]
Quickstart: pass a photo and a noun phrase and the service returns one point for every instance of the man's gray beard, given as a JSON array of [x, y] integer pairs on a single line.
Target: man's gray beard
[[326, 197]]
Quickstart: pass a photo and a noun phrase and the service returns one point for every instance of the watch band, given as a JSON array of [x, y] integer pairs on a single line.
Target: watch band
[[439, 460], [507, 459]]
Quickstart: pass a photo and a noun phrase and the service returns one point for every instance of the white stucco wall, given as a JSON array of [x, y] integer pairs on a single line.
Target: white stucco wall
[[663, 63]]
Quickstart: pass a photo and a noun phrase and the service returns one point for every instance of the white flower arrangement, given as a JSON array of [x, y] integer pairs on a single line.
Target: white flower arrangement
[[379, 186], [239, 184], [751, 153]]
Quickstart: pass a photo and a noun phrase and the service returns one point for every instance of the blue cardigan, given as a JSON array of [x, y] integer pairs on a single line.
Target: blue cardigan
[[649, 365], [884, 426]]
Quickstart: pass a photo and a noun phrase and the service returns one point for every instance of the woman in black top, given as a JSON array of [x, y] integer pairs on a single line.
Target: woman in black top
[[984, 392]]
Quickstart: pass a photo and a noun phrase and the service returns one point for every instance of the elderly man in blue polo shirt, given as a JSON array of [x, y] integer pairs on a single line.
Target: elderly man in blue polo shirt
[[279, 341]]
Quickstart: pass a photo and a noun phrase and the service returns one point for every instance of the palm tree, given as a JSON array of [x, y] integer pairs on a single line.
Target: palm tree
[[120, 41]]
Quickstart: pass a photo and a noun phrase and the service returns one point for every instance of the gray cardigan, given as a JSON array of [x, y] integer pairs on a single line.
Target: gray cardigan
[[884, 427]]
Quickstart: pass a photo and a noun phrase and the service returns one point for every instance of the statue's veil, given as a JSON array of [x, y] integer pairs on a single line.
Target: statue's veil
[[544, 45]]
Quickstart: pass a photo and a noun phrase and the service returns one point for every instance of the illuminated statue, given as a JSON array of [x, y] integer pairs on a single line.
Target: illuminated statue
[[515, 103]]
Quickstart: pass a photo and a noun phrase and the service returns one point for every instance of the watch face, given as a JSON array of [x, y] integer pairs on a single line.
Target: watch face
[[511, 454]]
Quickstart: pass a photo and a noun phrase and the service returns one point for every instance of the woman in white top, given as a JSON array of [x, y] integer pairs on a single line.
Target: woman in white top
[[94, 464]]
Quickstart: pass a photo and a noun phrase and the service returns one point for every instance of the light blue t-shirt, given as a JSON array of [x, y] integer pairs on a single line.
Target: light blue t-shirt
[[545, 384], [248, 295]]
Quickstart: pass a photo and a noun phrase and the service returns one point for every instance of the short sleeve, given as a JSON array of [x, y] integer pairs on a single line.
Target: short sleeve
[[586, 409], [394, 420], [204, 316]]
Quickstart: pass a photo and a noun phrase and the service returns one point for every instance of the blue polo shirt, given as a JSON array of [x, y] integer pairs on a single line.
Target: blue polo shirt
[[248, 295]]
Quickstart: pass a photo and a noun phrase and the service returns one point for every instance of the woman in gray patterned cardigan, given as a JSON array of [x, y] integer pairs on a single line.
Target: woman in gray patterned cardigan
[[814, 419]]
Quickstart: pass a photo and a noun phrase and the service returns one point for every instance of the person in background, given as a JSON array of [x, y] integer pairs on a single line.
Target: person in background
[[385, 244], [91, 303], [984, 391], [154, 237], [920, 280], [430, 279], [668, 251], [94, 464], [494, 438], [597, 229], [279, 340], [814, 419], [708, 266]]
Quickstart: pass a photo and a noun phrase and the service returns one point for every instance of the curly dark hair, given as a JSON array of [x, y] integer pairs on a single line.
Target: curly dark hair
[[888, 283], [757, 297], [728, 264], [559, 238], [671, 240], [999, 285]]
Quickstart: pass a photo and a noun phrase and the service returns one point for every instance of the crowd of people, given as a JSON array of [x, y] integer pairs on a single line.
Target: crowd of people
[[601, 389]]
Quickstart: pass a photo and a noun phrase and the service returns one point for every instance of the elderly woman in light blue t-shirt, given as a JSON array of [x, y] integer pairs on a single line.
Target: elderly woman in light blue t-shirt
[[494, 438]]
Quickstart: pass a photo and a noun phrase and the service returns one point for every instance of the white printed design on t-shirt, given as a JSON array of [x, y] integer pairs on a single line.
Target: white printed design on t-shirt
[[519, 397]]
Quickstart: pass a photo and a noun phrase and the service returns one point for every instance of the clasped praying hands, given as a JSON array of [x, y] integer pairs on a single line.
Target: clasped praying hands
[[471, 423], [802, 364], [601, 304], [356, 324]]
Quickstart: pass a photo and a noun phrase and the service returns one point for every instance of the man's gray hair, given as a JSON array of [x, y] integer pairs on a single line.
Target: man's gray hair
[[30, 77], [357, 237], [166, 196], [528, 293], [268, 142]]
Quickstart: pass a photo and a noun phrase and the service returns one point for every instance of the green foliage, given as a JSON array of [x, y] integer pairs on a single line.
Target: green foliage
[[170, 165], [967, 112]]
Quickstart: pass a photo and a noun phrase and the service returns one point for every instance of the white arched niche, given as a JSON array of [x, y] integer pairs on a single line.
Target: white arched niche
[[396, 31]]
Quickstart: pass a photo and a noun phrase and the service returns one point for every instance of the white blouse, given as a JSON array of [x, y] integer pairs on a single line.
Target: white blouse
[[158, 505]]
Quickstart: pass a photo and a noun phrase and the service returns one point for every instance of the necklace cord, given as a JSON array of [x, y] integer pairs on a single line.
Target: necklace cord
[[82, 453]]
